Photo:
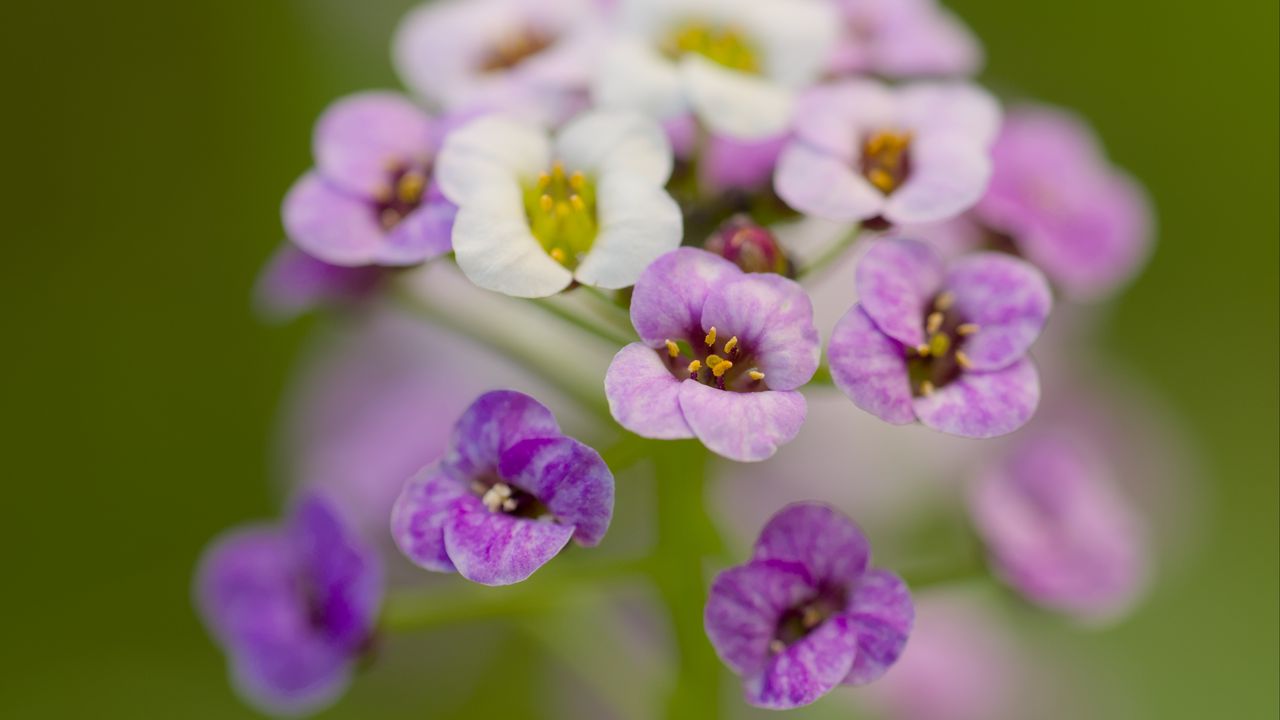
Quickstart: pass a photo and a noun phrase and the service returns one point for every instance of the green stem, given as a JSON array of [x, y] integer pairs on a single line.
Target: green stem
[[551, 307], [832, 253]]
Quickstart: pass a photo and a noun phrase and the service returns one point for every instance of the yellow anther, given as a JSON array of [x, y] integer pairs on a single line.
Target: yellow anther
[[673, 349], [945, 301], [721, 369], [711, 336], [411, 186], [577, 180], [695, 366], [546, 203], [756, 375], [777, 646], [544, 180], [577, 203], [922, 350], [557, 170], [509, 504], [967, 329], [389, 218], [811, 618], [558, 255], [963, 360], [926, 388], [933, 323], [939, 344], [731, 345], [883, 181], [382, 193], [563, 209], [714, 360]]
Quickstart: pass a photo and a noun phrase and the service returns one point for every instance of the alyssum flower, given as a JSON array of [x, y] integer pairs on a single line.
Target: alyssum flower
[[536, 215], [863, 151], [944, 345], [735, 63], [293, 607], [371, 199], [807, 613], [721, 356], [903, 38], [507, 497]]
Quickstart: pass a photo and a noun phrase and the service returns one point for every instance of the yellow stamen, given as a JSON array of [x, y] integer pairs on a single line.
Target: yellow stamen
[[922, 350], [777, 646], [963, 360], [577, 203], [939, 344], [945, 301], [926, 388], [411, 186], [562, 209], [673, 349], [934, 323], [711, 336], [756, 375], [382, 194], [558, 255], [731, 345], [544, 180], [694, 367], [557, 170], [722, 368], [883, 181], [546, 203], [389, 217], [811, 618], [714, 360], [967, 329], [577, 180]]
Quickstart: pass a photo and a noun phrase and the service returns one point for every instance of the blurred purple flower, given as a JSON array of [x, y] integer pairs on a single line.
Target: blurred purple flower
[[371, 199], [293, 283], [507, 497], [721, 356], [731, 164], [806, 613], [1063, 205], [864, 151], [942, 345], [293, 606], [903, 38]]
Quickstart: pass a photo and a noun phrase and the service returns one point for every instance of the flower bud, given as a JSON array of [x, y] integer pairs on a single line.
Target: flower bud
[[750, 246]]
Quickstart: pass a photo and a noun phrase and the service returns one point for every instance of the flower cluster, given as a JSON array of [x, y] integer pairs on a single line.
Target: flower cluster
[[649, 172]]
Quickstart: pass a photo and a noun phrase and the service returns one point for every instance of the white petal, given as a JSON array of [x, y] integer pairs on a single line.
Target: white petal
[[496, 250], [796, 37], [616, 142], [634, 77], [488, 152], [733, 103], [949, 174], [639, 222], [951, 107]]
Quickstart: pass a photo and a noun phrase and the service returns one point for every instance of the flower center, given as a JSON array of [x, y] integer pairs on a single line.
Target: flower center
[[499, 497], [797, 622], [724, 46], [886, 159], [940, 359], [403, 193], [715, 361], [514, 48], [562, 214]]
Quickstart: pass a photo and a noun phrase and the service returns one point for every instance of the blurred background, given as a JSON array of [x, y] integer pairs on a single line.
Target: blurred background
[[149, 146]]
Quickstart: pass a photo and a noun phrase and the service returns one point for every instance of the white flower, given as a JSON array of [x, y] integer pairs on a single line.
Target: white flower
[[735, 63], [536, 213]]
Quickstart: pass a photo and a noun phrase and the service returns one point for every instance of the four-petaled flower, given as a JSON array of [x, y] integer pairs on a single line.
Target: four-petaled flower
[[807, 613], [944, 345], [721, 356], [536, 215], [507, 497], [903, 38], [736, 64], [863, 151], [371, 199], [293, 607]]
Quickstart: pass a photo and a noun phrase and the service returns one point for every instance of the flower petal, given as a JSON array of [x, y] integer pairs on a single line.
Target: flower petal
[[870, 368], [345, 576], [497, 251], [331, 225], [896, 282], [882, 612], [983, 404], [639, 222], [290, 677], [241, 572], [622, 142], [496, 421], [772, 318], [1009, 300], [732, 103], [949, 173], [644, 397], [835, 118], [820, 184], [569, 478], [956, 107], [746, 427], [632, 77], [294, 282], [669, 295], [827, 544], [489, 152], [493, 548], [418, 517], [808, 669], [425, 234], [744, 606], [360, 136], [796, 36]]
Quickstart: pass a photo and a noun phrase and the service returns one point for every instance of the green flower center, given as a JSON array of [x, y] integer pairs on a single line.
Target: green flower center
[[562, 214], [724, 46]]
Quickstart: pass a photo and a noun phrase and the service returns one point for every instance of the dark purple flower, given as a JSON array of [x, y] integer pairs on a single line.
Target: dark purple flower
[[371, 199], [722, 355], [807, 613], [293, 283], [507, 497], [942, 345], [293, 606]]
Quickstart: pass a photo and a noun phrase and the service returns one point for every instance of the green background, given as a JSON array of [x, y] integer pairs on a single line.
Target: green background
[[148, 145]]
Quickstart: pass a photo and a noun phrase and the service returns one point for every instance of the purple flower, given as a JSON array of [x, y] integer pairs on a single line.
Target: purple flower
[[864, 151], [1065, 207], [371, 199], [944, 345], [293, 283], [293, 606], [721, 356], [807, 613], [904, 38], [1058, 530], [507, 496]]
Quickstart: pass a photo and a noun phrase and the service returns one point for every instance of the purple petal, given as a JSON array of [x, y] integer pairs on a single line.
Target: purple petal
[[644, 397], [772, 318], [668, 297], [744, 606], [949, 174], [830, 546], [816, 183], [239, 574], [832, 118], [897, 280], [494, 422], [418, 517], [569, 478], [730, 163], [1007, 298], [345, 578], [424, 234], [332, 225], [870, 368], [493, 548], [359, 137], [746, 427], [808, 669], [293, 283], [983, 404], [882, 612], [286, 677]]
